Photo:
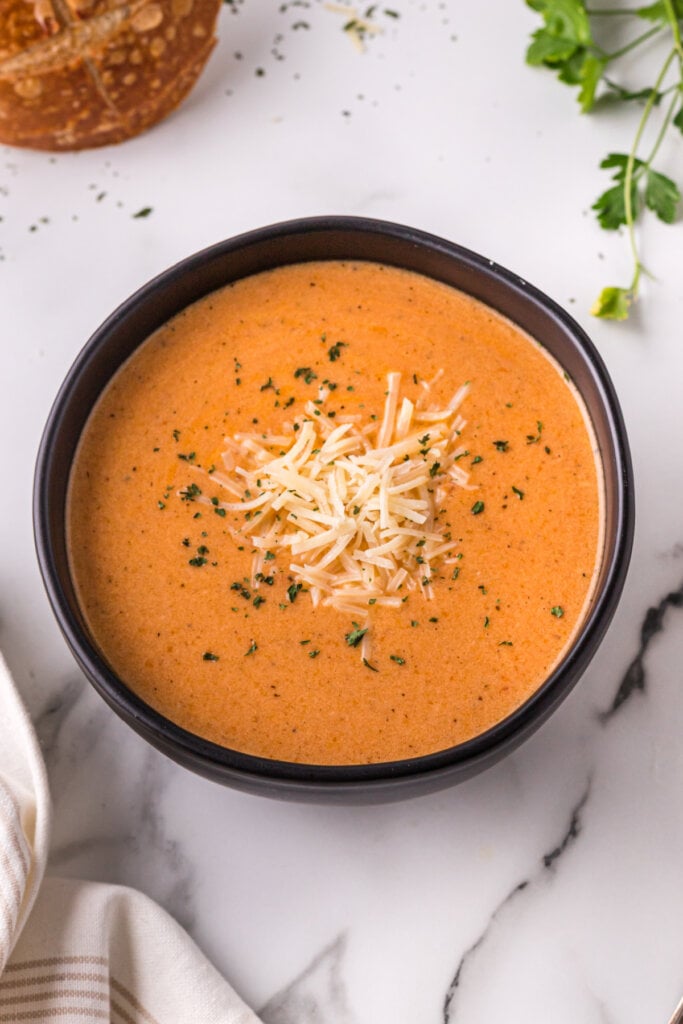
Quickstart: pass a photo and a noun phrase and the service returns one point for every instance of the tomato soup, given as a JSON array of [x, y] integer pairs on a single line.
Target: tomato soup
[[336, 513]]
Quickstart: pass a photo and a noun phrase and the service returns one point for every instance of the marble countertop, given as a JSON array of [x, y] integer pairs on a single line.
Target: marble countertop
[[550, 888]]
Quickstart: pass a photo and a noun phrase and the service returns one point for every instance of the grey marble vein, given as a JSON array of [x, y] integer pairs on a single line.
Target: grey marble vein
[[634, 679], [317, 996], [548, 863]]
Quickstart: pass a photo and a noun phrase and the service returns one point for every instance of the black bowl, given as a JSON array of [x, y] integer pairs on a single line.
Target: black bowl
[[294, 242]]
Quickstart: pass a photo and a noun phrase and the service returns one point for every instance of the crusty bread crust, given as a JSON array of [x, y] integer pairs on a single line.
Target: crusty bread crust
[[81, 73]]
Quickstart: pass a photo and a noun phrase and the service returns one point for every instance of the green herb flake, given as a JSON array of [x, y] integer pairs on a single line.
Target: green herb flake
[[293, 592], [397, 659], [191, 492], [307, 373], [520, 494], [501, 446], [477, 508], [368, 665], [334, 351], [313, 654], [209, 656], [557, 611], [197, 561], [477, 459], [253, 647], [356, 635]]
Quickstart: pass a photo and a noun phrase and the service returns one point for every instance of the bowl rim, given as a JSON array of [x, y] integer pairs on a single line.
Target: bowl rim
[[225, 763]]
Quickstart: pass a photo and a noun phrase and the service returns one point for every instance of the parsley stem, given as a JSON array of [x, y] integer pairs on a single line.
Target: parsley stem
[[672, 18], [662, 131], [628, 177], [634, 42]]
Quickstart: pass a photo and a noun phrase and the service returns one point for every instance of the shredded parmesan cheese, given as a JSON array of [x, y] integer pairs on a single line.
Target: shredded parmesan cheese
[[352, 507]]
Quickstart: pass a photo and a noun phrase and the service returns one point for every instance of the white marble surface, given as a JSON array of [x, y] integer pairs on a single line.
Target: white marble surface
[[550, 889]]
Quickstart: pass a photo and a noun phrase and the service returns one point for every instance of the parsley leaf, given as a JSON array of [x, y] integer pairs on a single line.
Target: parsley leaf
[[612, 303], [662, 196]]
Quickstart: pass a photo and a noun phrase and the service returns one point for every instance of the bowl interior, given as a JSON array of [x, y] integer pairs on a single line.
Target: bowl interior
[[294, 242]]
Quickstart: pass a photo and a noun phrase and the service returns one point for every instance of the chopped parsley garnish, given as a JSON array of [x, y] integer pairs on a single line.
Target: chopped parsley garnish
[[258, 601], [190, 493], [368, 665], [293, 591], [355, 636], [520, 494], [434, 468], [313, 654], [477, 459], [209, 656], [397, 659], [477, 508], [535, 438], [252, 648], [557, 611], [501, 446], [198, 561], [505, 643], [307, 373], [190, 457], [334, 351]]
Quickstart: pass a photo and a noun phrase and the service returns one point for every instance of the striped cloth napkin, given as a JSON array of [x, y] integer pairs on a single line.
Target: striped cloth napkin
[[80, 951]]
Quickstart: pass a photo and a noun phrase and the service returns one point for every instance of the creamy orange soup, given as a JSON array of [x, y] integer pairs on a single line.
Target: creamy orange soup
[[230, 641]]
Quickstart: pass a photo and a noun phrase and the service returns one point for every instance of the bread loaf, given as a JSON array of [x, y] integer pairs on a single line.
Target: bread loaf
[[80, 73]]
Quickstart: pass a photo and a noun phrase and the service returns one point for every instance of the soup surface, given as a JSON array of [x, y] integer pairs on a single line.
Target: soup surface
[[220, 625]]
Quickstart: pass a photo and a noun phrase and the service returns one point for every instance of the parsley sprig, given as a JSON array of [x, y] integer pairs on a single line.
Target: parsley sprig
[[566, 44]]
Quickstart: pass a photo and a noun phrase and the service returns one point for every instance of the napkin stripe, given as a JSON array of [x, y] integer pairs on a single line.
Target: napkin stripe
[[63, 984], [49, 979], [135, 1003], [59, 1011], [65, 993], [56, 961]]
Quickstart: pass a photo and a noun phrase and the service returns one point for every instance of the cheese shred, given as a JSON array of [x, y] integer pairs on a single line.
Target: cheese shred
[[352, 507]]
